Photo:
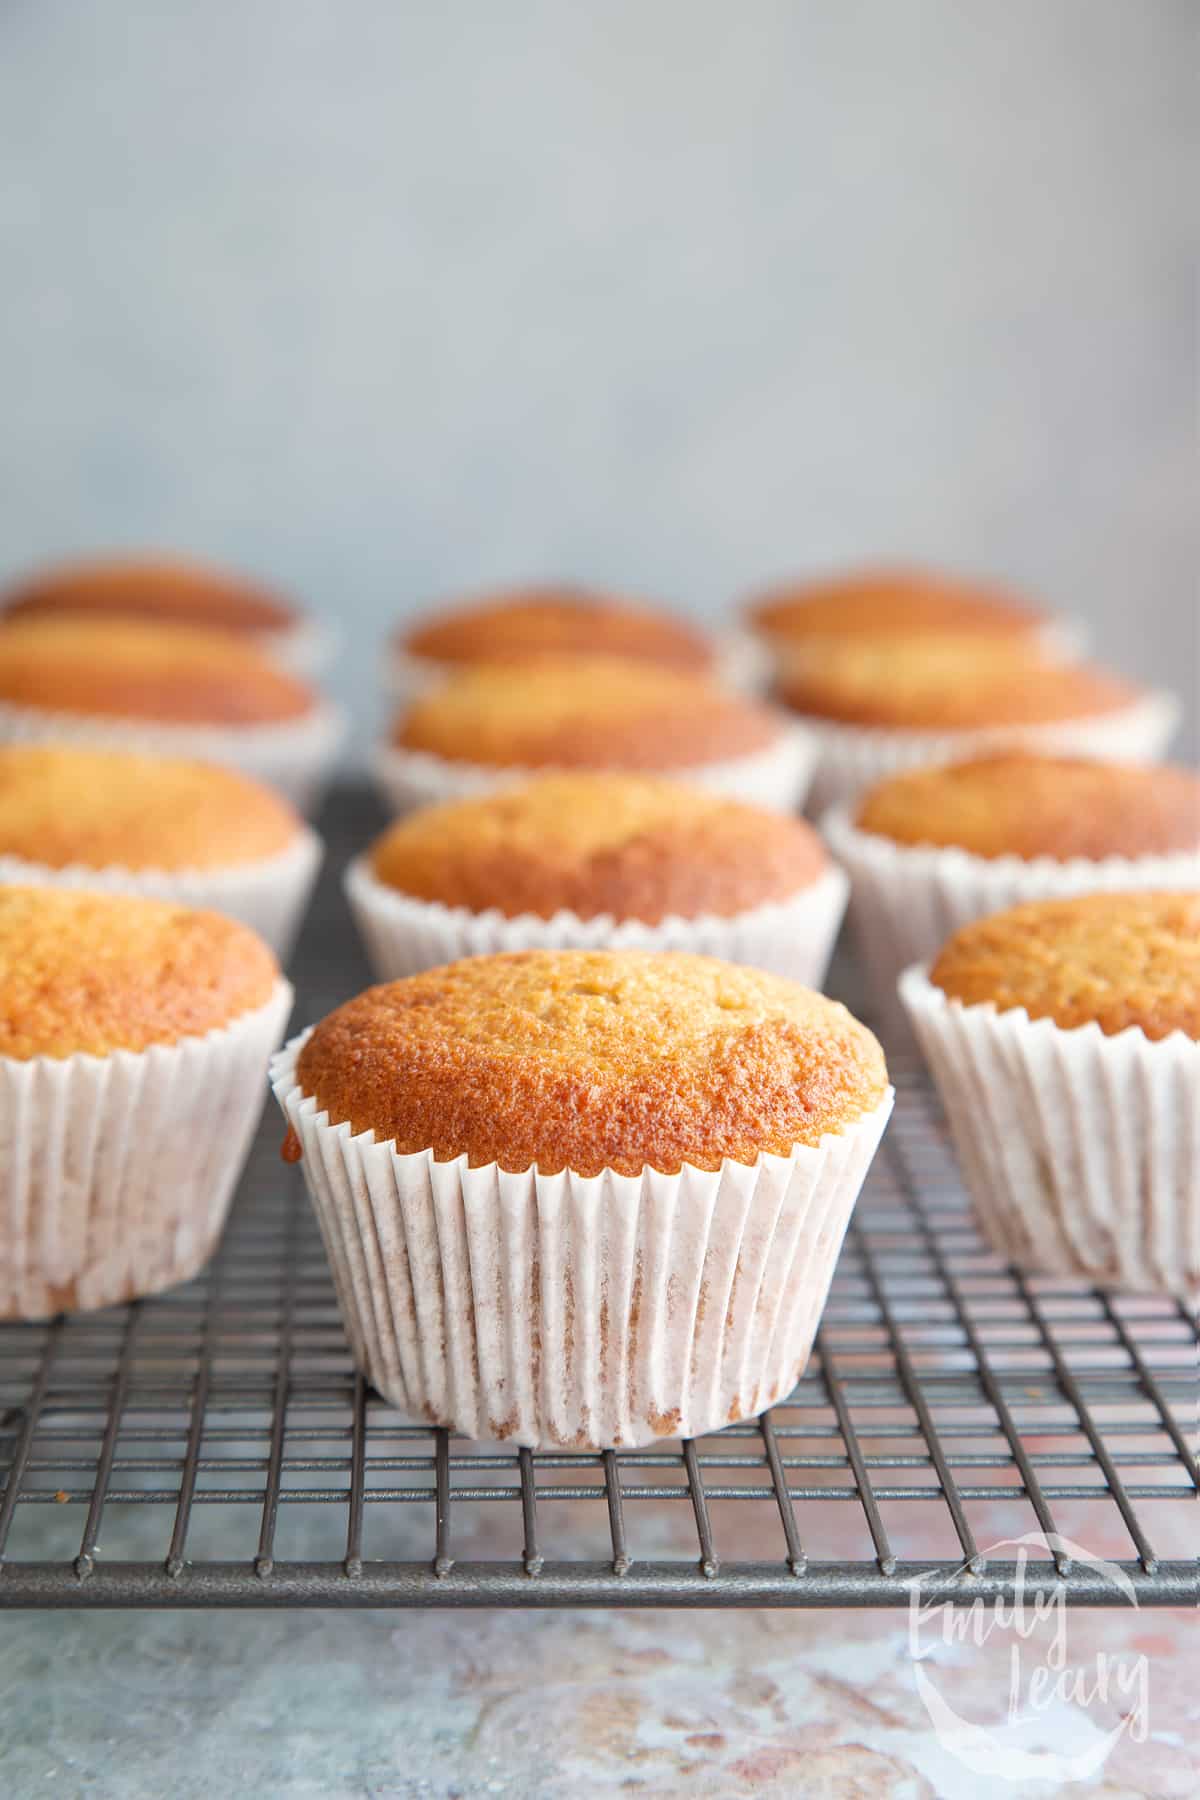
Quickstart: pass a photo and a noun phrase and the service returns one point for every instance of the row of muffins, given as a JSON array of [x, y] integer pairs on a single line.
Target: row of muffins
[[1096, 1142], [896, 674], [866, 675], [1109, 963], [681, 1015], [584, 1197], [632, 1071], [696, 994]]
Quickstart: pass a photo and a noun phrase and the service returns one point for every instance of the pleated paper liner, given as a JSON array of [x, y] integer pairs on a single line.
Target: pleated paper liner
[[269, 895], [588, 1312], [403, 935], [776, 777], [306, 648], [118, 1170], [907, 899], [1081, 1152], [295, 756], [851, 758]]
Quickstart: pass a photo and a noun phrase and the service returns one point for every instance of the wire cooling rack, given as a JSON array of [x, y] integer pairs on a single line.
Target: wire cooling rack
[[960, 1427]]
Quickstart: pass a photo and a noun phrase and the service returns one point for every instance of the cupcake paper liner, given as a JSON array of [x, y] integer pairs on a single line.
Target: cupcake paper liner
[[586, 1312], [743, 663], [1064, 639], [296, 757], [270, 895], [118, 1170], [306, 648], [403, 935], [776, 777], [907, 899], [851, 758], [1081, 1152]]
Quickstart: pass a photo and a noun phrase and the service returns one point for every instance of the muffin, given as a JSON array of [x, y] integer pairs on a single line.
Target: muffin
[[550, 619], [1063, 1037], [877, 708], [606, 861], [584, 1197], [171, 591], [168, 689], [499, 723], [868, 604], [133, 1038], [931, 849], [195, 833]]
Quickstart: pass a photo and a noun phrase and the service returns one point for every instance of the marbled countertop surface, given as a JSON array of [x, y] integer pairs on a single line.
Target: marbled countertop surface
[[135, 1706]]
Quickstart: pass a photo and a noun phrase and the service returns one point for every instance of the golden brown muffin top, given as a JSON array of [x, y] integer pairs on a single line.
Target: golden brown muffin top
[[105, 972], [557, 621], [580, 713], [946, 684], [629, 846], [171, 674], [1117, 959], [113, 808], [883, 602], [1015, 804], [167, 589], [594, 1059]]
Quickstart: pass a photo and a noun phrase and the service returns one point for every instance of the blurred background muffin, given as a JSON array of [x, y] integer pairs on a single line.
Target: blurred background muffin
[[598, 861], [544, 619], [496, 722], [931, 849], [876, 706], [871, 604], [171, 591], [166, 688], [203, 835]]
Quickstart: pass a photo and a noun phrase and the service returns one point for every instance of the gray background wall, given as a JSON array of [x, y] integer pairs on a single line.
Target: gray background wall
[[380, 300]]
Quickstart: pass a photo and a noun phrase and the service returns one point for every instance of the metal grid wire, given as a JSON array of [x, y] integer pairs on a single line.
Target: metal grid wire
[[214, 1446]]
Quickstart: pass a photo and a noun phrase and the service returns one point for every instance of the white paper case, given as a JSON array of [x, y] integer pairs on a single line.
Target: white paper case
[[907, 899], [403, 935], [295, 756], [776, 777], [851, 758], [1081, 1152], [306, 648], [269, 895], [567, 1310], [116, 1172]]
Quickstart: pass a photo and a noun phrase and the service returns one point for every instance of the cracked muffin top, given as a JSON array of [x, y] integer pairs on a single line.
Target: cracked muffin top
[[550, 620], [166, 589], [890, 602], [99, 973], [594, 1059], [1116, 959], [580, 713], [61, 805], [1015, 804], [122, 669], [946, 684], [626, 846]]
